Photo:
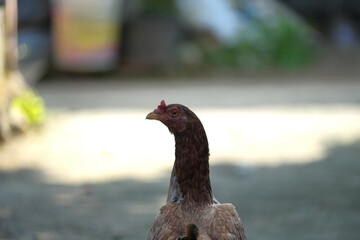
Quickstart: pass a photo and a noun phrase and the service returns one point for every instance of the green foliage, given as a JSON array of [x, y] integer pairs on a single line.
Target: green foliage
[[159, 7], [30, 106], [291, 45], [286, 44]]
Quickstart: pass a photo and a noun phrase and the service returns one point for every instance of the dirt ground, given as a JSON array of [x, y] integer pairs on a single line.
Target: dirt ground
[[318, 200]]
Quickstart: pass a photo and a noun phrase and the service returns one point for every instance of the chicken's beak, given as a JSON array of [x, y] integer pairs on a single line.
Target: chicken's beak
[[153, 115]]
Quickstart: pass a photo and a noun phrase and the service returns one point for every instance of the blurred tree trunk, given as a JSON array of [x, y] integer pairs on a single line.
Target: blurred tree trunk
[[11, 81]]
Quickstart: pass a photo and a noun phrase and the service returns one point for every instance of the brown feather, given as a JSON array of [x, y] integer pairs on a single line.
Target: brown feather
[[191, 209]]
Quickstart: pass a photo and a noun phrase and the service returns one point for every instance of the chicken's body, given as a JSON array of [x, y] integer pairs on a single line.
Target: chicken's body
[[217, 221], [190, 200]]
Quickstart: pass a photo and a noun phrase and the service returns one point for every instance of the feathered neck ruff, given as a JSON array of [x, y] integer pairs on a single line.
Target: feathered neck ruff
[[192, 165]]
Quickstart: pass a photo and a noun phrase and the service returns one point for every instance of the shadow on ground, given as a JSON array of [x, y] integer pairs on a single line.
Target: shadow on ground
[[320, 200]]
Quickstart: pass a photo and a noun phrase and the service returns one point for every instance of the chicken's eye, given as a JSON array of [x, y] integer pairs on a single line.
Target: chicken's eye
[[173, 113]]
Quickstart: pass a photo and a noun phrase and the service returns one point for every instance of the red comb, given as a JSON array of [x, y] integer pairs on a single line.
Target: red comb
[[162, 105]]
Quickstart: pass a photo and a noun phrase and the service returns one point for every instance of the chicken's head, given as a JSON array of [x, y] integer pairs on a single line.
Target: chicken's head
[[175, 116]]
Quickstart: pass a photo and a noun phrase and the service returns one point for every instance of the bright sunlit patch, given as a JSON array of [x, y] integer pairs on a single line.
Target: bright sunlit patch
[[271, 136], [103, 145]]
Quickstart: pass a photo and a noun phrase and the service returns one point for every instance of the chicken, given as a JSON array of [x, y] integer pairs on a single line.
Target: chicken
[[191, 211]]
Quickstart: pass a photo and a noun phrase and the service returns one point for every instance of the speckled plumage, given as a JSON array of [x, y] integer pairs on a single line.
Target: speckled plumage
[[190, 200]]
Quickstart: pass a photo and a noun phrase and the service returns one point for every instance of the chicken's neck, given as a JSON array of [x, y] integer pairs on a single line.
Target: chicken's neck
[[192, 166]]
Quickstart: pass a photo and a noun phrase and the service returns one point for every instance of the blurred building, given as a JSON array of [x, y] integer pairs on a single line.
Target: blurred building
[[99, 36]]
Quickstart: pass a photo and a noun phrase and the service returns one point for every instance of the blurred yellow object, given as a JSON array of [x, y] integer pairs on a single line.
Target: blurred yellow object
[[30, 107], [86, 34]]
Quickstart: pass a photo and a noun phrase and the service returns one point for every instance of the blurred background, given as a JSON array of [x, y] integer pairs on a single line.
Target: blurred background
[[275, 83]]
